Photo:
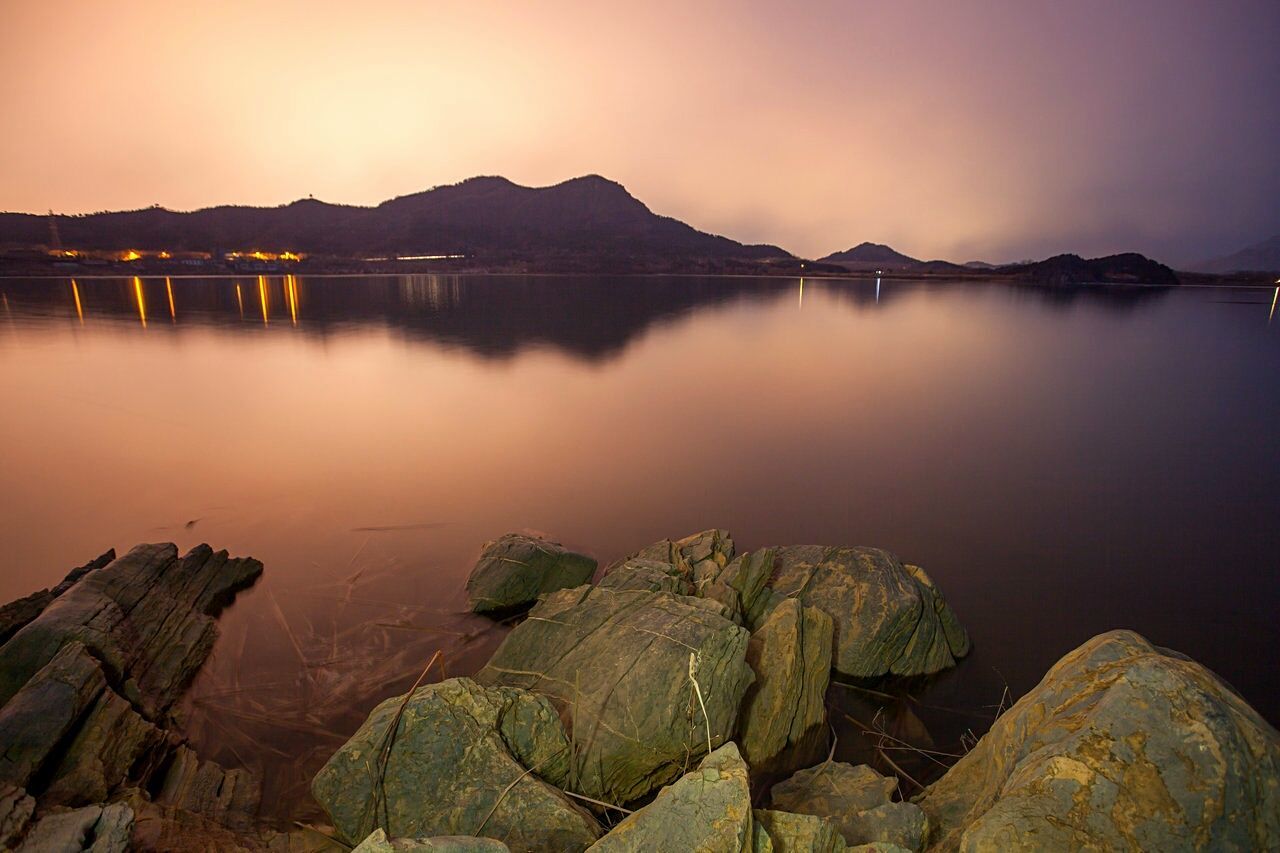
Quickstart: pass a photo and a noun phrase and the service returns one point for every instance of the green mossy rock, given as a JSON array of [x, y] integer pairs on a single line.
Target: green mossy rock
[[889, 618], [798, 833], [1122, 745], [707, 810], [459, 749], [784, 715], [617, 663], [515, 569]]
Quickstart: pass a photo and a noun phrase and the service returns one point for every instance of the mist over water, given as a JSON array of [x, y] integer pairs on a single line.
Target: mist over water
[[1061, 462]]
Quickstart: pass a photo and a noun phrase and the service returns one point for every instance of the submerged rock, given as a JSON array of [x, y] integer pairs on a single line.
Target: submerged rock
[[513, 570], [618, 663], [464, 759], [784, 715], [889, 618], [858, 800], [229, 798], [1122, 745], [798, 833], [708, 810]]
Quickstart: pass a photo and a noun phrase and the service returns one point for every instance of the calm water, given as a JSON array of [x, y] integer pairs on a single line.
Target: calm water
[[1062, 463]]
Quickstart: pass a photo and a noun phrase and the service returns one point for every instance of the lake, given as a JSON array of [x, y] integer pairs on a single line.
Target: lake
[[1061, 462]]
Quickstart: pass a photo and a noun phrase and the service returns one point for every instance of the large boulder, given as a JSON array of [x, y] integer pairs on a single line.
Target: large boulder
[[707, 810], [619, 663], [463, 760], [1122, 745], [651, 575], [148, 616], [858, 800], [513, 570], [889, 618], [784, 715]]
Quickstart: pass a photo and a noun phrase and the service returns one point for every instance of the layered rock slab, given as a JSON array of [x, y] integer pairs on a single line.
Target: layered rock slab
[[1122, 745], [147, 617], [618, 664], [463, 760]]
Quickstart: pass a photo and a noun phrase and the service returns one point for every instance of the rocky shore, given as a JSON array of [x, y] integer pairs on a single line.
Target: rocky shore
[[679, 702]]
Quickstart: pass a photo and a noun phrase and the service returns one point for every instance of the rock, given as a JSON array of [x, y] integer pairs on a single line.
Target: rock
[[93, 829], [617, 663], [164, 829], [16, 614], [699, 557], [650, 575], [1122, 745], [377, 842], [902, 824], [45, 710], [513, 570], [16, 808], [888, 618], [465, 760], [857, 799], [707, 810], [148, 616], [110, 740], [784, 715], [87, 686], [229, 798], [799, 833], [740, 585]]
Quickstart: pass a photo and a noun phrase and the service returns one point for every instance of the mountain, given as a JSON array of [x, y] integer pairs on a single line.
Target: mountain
[[1126, 268], [870, 256], [488, 218], [1260, 257]]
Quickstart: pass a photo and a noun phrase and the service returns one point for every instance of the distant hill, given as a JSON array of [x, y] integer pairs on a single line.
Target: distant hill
[[1260, 257], [1127, 268], [870, 256], [489, 218]]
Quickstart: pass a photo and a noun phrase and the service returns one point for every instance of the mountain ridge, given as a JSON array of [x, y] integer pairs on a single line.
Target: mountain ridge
[[489, 217]]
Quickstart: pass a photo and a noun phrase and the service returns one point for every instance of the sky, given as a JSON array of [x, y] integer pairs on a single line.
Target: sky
[[958, 130]]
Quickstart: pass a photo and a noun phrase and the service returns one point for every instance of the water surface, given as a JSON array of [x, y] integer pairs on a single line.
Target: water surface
[[1061, 462]]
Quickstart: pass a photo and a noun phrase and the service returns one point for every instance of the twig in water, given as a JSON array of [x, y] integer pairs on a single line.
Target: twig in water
[[600, 803]]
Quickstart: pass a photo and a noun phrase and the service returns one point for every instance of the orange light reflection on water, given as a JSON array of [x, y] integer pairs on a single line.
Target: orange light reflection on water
[[142, 305], [240, 300], [168, 286], [75, 292], [291, 293], [262, 297]]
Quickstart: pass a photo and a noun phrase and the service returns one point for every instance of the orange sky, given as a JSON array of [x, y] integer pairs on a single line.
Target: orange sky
[[991, 130]]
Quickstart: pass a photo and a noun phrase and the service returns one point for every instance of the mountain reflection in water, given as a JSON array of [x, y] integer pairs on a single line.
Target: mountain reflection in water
[[1061, 462]]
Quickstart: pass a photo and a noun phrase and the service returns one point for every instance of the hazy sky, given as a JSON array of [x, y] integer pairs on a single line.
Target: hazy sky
[[948, 129]]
